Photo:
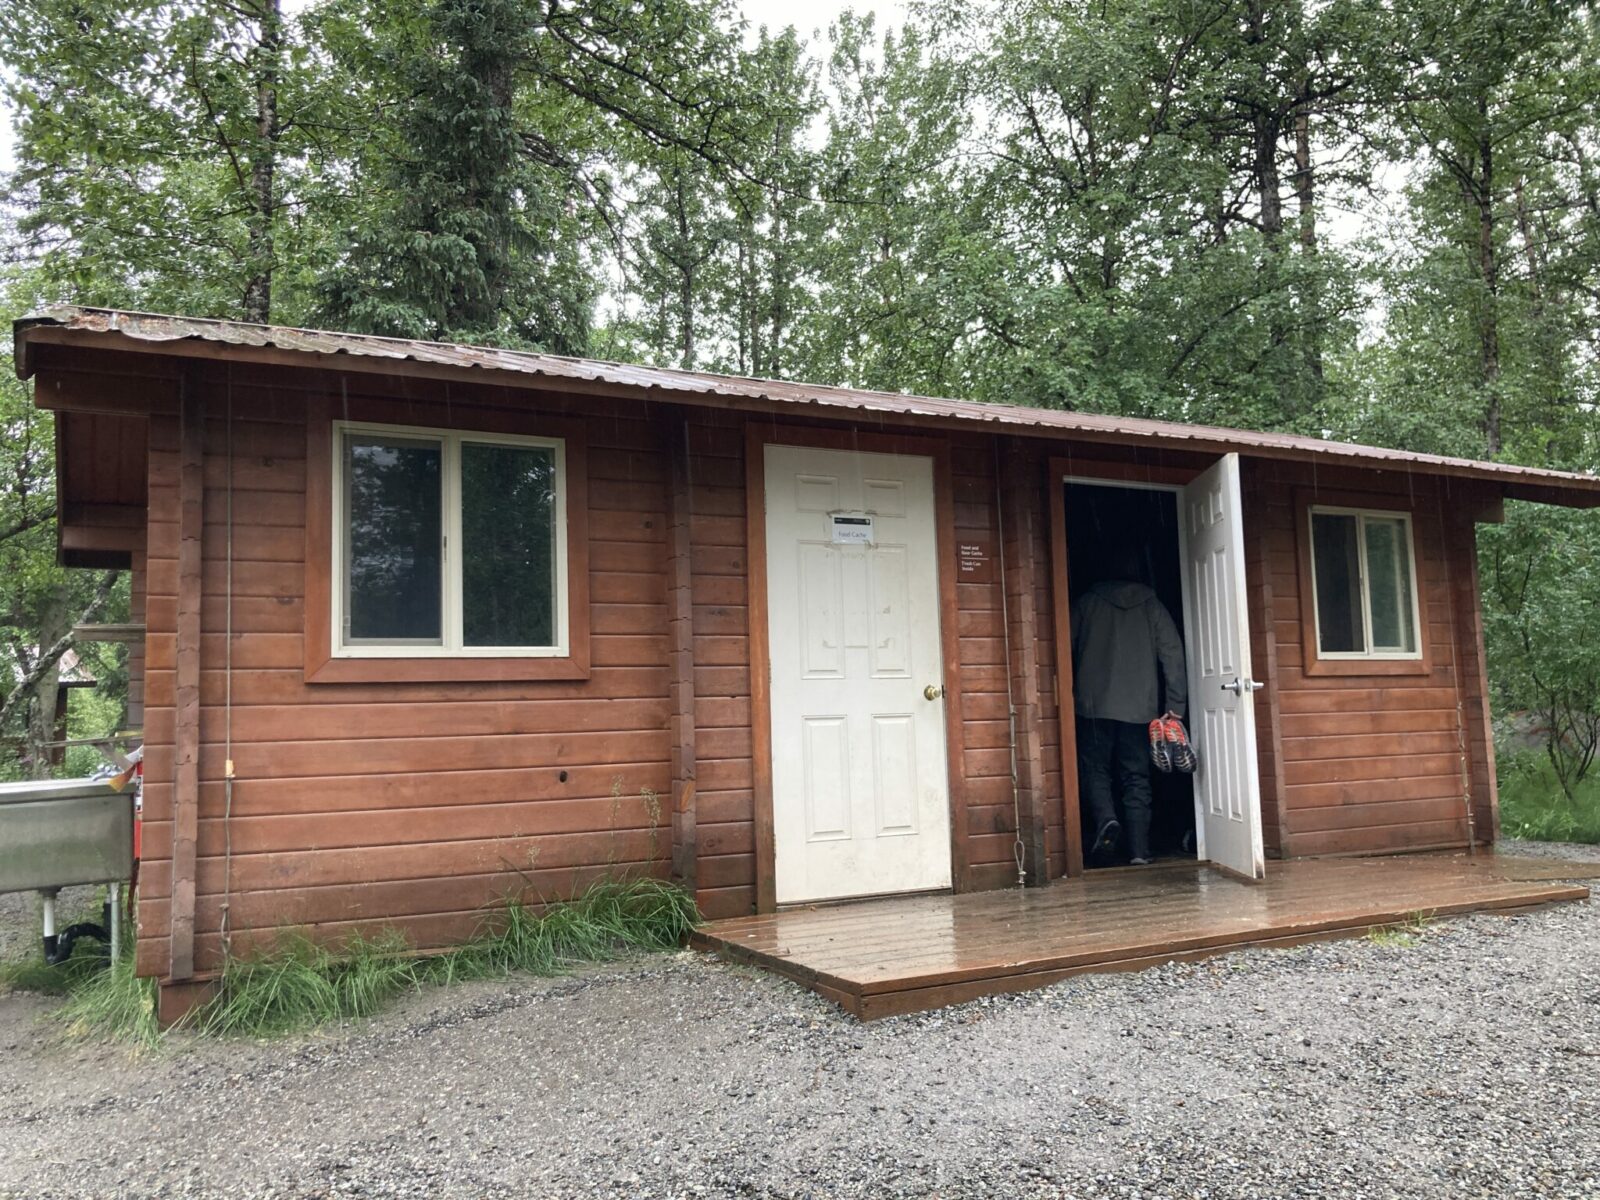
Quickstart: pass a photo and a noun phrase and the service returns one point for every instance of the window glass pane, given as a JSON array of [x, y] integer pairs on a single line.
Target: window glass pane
[[1389, 579], [508, 545], [1336, 551], [392, 500]]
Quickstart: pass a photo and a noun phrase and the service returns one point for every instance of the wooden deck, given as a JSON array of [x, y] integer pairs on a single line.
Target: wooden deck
[[880, 958]]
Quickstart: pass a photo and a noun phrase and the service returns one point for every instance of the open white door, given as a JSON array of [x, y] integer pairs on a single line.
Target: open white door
[[1227, 794]]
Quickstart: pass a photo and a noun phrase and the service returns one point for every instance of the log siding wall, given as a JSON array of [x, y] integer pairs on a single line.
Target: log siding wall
[[422, 805], [1371, 763]]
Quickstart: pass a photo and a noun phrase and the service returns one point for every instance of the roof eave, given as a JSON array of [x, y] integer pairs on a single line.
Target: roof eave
[[193, 338]]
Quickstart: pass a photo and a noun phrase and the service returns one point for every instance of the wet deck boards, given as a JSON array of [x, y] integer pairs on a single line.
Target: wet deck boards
[[880, 958]]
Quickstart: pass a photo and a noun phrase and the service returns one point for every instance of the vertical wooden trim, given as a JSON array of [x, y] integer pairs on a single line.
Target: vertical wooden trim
[[680, 620], [319, 534], [1269, 695], [944, 515], [577, 663], [1066, 713], [186, 728], [1019, 495], [755, 516], [1472, 677]]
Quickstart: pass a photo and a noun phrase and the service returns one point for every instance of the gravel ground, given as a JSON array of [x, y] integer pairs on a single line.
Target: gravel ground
[[1466, 1064]]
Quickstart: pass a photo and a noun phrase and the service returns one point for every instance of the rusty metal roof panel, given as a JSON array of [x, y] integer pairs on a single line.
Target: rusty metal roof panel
[[151, 327]]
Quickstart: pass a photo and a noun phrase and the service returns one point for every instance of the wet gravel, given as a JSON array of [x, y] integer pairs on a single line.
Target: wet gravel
[[1466, 1063]]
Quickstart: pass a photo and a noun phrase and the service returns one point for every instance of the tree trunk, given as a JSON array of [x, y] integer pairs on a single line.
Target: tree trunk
[[47, 679], [1305, 195], [780, 295], [685, 281], [50, 654], [743, 300], [268, 53], [1266, 133], [1489, 272]]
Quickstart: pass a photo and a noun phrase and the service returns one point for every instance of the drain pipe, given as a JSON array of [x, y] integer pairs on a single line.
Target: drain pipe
[[48, 896]]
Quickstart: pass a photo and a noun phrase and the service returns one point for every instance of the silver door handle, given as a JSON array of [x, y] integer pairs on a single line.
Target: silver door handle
[[1240, 686]]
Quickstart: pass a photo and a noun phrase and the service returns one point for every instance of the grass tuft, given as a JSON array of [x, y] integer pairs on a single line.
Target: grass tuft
[[300, 984], [53, 979], [1400, 936], [114, 1004]]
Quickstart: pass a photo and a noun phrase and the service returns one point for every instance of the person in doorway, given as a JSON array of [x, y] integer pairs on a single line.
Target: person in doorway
[[1121, 636]]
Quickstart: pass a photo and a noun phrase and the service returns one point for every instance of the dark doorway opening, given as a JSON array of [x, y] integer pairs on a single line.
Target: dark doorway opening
[[1103, 520]]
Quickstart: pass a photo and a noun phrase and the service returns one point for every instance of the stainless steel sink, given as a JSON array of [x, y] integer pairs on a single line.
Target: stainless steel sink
[[57, 833]]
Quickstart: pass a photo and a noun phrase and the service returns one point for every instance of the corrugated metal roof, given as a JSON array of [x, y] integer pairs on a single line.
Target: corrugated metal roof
[[180, 332]]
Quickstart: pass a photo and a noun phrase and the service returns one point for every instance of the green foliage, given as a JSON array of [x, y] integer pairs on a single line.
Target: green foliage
[[1402, 936], [38, 598], [102, 1000], [150, 173], [467, 239], [300, 983], [1541, 581], [112, 1003], [1535, 805], [33, 974]]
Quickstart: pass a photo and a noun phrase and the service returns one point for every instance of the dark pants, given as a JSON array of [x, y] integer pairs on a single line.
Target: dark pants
[[1120, 749]]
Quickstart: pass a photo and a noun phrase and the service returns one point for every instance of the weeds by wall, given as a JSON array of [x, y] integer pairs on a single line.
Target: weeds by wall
[[300, 983]]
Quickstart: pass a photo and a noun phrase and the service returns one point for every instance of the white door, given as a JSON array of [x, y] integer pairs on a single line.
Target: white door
[[860, 797], [1221, 692]]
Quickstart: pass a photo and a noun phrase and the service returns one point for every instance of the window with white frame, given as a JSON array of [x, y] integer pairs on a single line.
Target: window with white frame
[[448, 543], [1363, 570]]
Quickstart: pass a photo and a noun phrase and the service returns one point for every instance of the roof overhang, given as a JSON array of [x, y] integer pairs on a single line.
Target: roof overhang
[[234, 341]]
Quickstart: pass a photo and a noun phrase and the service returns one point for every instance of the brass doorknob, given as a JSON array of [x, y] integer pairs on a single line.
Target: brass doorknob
[[933, 691]]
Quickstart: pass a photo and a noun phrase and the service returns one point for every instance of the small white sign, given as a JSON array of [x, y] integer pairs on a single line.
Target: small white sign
[[852, 528]]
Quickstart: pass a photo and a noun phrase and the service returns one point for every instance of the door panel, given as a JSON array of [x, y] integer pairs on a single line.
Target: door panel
[[1222, 701], [860, 796]]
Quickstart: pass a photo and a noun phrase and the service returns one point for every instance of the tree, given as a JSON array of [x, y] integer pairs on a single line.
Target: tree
[[1542, 603], [1500, 102], [167, 152], [40, 601], [496, 130]]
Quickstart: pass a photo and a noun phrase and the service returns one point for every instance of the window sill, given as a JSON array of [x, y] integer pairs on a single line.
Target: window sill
[[444, 670], [1367, 666]]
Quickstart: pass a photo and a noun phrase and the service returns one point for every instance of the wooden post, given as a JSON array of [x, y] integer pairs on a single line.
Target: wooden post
[[1020, 504], [1262, 617], [755, 532], [1066, 714], [680, 620], [186, 730], [1472, 682]]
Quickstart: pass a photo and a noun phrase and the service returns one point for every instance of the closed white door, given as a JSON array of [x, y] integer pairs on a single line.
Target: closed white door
[[1221, 692], [860, 796]]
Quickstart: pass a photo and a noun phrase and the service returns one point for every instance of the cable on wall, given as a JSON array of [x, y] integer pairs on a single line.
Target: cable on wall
[[227, 693], [1018, 850]]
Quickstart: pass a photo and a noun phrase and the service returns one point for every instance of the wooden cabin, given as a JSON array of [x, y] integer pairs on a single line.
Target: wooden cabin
[[429, 624]]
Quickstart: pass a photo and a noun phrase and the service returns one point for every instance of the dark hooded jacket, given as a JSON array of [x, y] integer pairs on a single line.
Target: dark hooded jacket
[[1121, 633]]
